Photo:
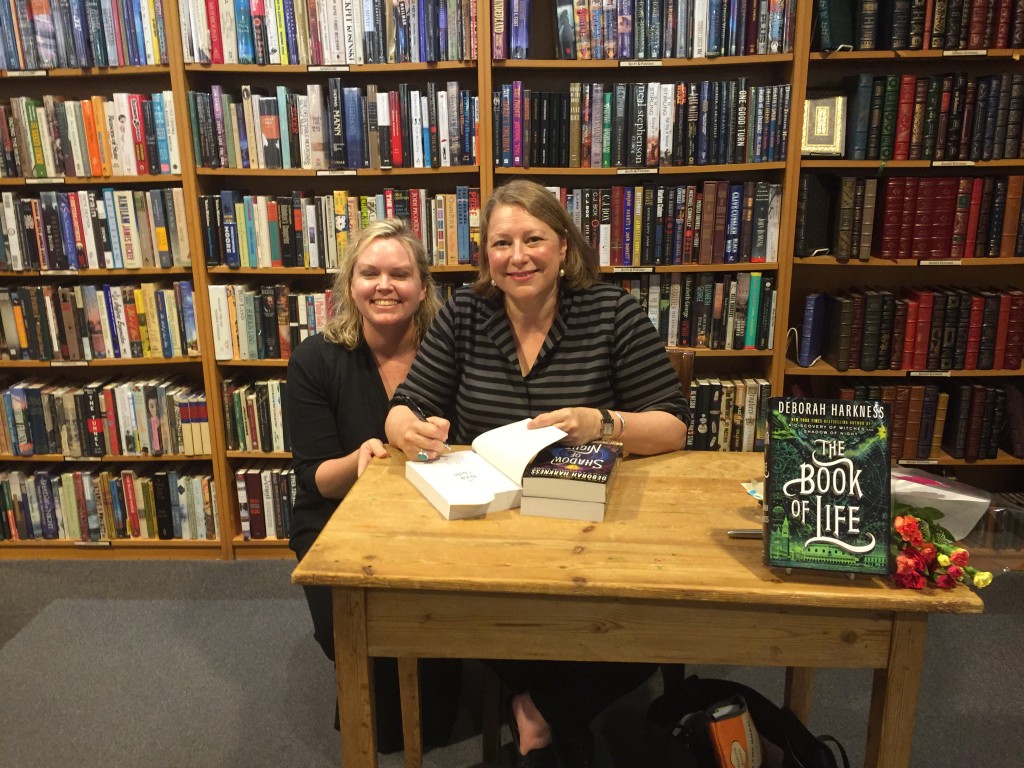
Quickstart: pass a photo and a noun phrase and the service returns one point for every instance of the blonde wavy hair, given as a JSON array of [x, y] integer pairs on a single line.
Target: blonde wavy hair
[[345, 326], [581, 269]]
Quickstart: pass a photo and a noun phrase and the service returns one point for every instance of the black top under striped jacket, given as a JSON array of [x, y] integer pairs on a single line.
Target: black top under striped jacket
[[602, 352]]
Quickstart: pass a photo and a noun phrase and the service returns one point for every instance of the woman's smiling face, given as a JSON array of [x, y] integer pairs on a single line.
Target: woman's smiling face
[[524, 255]]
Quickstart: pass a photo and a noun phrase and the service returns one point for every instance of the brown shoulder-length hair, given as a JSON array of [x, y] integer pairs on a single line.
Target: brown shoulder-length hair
[[581, 270], [345, 325]]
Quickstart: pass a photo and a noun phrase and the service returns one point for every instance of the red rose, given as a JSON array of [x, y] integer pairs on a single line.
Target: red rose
[[927, 551], [959, 557], [907, 527], [909, 581], [945, 581], [955, 571]]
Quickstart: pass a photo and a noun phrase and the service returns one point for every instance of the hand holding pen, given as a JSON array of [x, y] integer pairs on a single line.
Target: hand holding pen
[[427, 436]]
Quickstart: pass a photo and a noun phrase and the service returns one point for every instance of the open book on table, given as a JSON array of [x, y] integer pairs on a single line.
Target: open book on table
[[486, 479]]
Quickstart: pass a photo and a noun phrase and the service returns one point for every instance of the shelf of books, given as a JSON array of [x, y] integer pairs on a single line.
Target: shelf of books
[[912, 170]]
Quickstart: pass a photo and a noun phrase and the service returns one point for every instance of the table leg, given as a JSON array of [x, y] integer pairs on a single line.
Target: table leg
[[894, 695], [355, 680], [409, 692], [800, 692]]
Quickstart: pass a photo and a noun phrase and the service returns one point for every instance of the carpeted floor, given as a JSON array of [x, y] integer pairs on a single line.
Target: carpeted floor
[[213, 664]]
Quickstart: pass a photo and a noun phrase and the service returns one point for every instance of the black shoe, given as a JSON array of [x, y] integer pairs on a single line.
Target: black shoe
[[575, 748], [545, 757]]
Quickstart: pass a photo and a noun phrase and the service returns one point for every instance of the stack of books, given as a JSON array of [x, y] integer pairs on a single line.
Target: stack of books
[[571, 482]]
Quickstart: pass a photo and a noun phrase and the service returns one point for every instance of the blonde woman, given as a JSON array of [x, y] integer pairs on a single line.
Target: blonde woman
[[339, 385]]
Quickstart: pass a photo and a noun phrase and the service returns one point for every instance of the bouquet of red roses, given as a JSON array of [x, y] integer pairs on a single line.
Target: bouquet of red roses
[[926, 553]]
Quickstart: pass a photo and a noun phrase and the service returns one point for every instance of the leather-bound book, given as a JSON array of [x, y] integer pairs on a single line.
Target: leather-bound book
[[909, 334], [885, 329], [913, 428], [890, 222], [856, 328], [812, 217], [954, 434], [990, 448], [943, 217], [1011, 216], [975, 417], [923, 218], [842, 233], [935, 330], [1014, 332], [925, 299], [839, 324], [910, 187], [1002, 328], [899, 420], [989, 323], [963, 325], [974, 332], [1013, 422], [988, 422], [904, 117], [899, 334], [871, 330], [950, 320], [929, 410], [917, 119], [941, 410], [961, 216]]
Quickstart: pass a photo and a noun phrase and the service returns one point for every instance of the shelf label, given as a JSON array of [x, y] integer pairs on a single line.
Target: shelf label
[[636, 171], [46, 180], [69, 363], [344, 172], [952, 163], [328, 68], [629, 270], [940, 262], [905, 462], [106, 543], [640, 63], [83, 458], [26, 73], [60, 272], [976, 52], [943, 374], [333, 270]]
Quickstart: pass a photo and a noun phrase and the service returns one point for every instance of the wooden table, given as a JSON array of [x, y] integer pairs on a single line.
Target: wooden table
[[657, 581]]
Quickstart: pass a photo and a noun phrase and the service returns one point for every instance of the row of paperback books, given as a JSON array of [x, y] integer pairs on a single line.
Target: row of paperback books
[[940, 117], [650, 29], [729, 414], [319, 32], [107, 503], [40, 34], [917, 329], [714, 222], [263, 322], [709, 310], [266, 497], [910, 217], [147, 417], [243, 230], [351, 128], [128, 134], [94, 229], [255, 415], [90, 322], [901, 25], [640, 125]]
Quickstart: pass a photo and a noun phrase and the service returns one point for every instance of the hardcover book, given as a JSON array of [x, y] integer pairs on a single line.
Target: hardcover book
[[570, 481], [826, 490], [487, 479]]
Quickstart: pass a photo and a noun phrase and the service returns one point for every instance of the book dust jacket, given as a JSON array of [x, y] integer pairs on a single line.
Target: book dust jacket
[[826, 489]]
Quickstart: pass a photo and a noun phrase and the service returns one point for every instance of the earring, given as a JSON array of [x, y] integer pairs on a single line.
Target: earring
[[561, 272], [493, 284]]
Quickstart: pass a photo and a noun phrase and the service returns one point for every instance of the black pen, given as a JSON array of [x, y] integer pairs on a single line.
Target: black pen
[[413, 406]]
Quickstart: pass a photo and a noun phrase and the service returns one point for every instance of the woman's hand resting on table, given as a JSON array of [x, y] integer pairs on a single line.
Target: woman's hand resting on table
[[581, 425], [371, 449]]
